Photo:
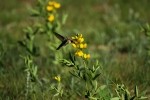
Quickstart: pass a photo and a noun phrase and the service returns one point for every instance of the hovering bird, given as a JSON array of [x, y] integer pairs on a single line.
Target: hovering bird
[[63, 39]]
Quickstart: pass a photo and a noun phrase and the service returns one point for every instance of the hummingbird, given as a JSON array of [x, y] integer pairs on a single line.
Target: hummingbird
[[64, 40]]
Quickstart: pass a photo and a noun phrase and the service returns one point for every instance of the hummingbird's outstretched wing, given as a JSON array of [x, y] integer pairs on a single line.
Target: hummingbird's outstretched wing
[[62, 44], [60, 37]]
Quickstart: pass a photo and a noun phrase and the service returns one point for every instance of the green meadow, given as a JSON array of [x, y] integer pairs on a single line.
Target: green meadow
[[116, 35]]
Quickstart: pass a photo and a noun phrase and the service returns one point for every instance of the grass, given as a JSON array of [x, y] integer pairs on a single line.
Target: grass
[[111, 28]]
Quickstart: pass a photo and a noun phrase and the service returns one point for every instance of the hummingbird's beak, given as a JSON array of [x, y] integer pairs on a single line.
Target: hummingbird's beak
[[72, 40]]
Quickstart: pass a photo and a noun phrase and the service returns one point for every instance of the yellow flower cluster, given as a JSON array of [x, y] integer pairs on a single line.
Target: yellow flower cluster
[[51, 8], [81, 54], [78, 42], [57, 78], [51, 17], [53, 5]]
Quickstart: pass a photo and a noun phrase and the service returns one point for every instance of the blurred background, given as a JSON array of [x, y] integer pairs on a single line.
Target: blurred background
[[112, 29]]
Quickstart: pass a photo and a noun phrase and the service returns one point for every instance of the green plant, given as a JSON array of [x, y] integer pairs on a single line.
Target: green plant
[[146, 30], [124, 94]]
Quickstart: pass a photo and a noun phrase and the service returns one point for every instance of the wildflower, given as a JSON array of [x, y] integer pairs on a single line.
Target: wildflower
[[57, 5], [80, 35], [78, 43], [74, 45], [81, 46], [49, 8], [51, 3], [79, 53], [54, 4], [84, 45], [80, 39], [86, 56], [57, 78], [51, 18]]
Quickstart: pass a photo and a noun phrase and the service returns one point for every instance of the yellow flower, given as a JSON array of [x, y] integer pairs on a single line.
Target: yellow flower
[[80, 40], [81, 46], [86, 56], [54, 4], [51, 3], [79, 53], [49, 8], [51, 18], [57, 5], [74, 45], [84, 45], [57, 78], [80, 35]]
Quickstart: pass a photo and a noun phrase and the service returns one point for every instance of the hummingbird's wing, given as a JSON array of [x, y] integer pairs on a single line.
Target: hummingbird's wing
[[60, 37], [62, 44]]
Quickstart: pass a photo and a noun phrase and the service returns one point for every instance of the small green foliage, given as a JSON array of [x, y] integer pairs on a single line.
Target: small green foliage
[[31, 76], [86, 74], [124, 94], [146, 30], [28, 42], [67, 63]]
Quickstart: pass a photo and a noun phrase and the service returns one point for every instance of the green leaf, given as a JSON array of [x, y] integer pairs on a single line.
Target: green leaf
[[96, 76], [67, 63], [64, 18], [93, 98], [136, 91], [84, 77], [95, 84], [71, 58], [143, 98], [35, 70], [102, 87], [36, 30], [51, 47], [34, 12], [97, 63], [28, 36], [74, 74], [87, 94], [41, 2], [97, 68], [132, 98], [56, 94], [35, 51], [49, 25], [147, 26], [115, 98], [22, 43]]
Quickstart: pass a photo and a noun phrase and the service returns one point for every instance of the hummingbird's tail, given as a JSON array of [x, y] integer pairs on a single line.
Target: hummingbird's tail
[[62, 44], [60, 37]]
